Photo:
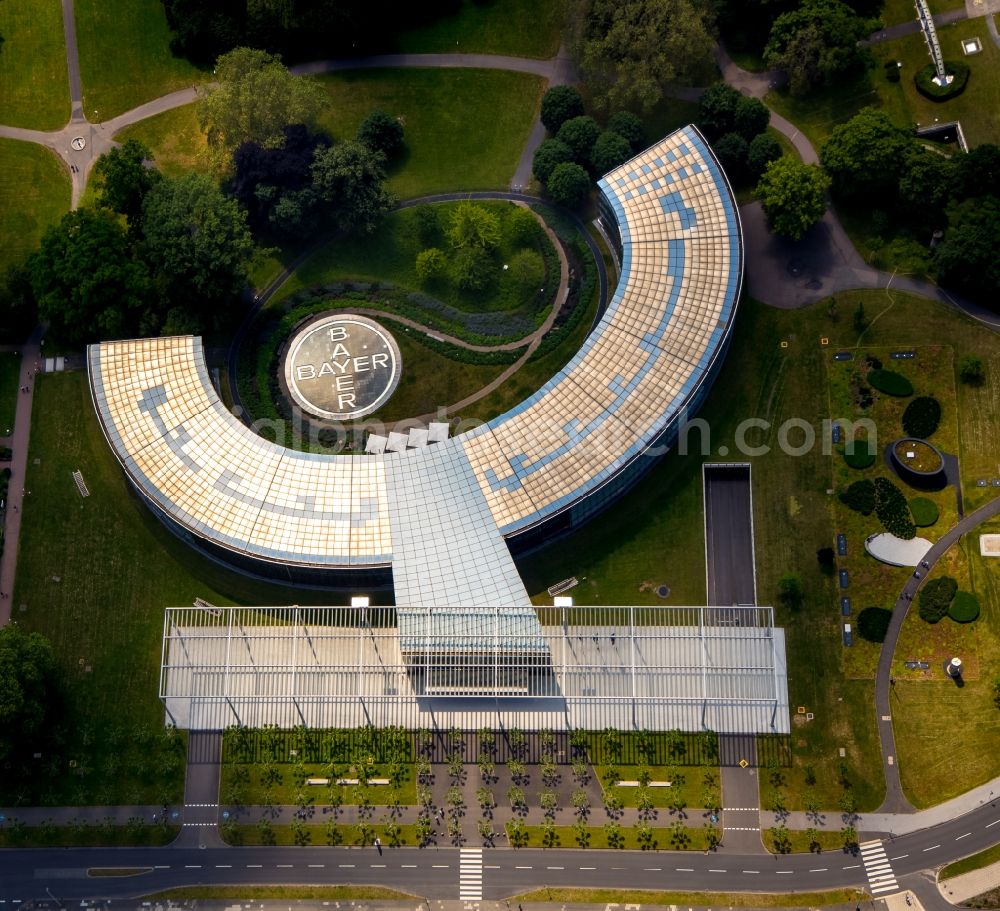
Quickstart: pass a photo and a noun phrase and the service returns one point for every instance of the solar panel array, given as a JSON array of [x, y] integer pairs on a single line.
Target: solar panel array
[[651, 352]]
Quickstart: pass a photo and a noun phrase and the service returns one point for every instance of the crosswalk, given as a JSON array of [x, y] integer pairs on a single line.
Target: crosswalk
[[470, 875], [877, 867]]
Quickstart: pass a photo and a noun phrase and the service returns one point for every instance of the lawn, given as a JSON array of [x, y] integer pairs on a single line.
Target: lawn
[[177, 143], [34, 85], [94, 575], [968, 864], [465, 129], [671, 900], [516, 28], [946, 734], [896, 11], [10, 367], [677, 837], [332, 833], [34, 193], [125, 57]]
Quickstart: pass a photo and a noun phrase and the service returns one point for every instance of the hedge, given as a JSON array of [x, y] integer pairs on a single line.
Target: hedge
[[890, 382], [860, 497], [936, 597], [873, 623], [929, 89], [892, 510], [859, 455], [925, 512], [922, 417], [965, 608]]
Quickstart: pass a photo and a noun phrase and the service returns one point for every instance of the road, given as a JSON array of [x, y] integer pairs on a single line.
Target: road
[[729, 556], [434, 873]]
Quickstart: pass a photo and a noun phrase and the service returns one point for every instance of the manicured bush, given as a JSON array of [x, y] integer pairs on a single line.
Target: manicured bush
[[890, 382], [892, 70], [609, 151], [965, 608], [859, 454], [860, 497], [873, 623], [381, 132], [569, 185], [892, 510], [924, 80], [936, 597], [626, 124], [580, 134], [549, 154], [764, 149], [925, 512], [559, 104], [922, 416]]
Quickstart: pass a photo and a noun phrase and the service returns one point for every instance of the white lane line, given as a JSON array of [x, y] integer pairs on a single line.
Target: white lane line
[[899, 857], [653, 869], [716, 871], [409, 866], [491, 866], [931, 848], [440, 866], [192, 866], [524, 868], [588, 868], [254, 866], [818, 870], [960, 837], [372, 865], [345, 866], [289, 866], [990, 825], [162, 867], [851, 867], [751, 871], [555, 868], [784, 871], [321, 866], [684, 869], [223, 866]]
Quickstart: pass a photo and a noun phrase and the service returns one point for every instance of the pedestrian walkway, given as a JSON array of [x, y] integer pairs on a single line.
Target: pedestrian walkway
[[470, 875], [877, 868], [961, 888]]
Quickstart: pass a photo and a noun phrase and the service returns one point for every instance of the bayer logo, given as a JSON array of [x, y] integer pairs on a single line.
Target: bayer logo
[[342, 367]]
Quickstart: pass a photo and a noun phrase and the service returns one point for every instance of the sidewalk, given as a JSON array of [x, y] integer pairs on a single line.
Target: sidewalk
[[969, 885]]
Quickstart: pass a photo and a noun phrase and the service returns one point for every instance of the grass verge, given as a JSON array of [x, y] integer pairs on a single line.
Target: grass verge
[[125, 57], [34, 85], [973, 862], [102, 835], [34, 194], [298, 893], [712, 899], [677, 837], [10, 367]]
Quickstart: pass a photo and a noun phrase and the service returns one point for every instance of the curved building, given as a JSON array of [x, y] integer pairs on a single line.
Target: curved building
[[433, 513]]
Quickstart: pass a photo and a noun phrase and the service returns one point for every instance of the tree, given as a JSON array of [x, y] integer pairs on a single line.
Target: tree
[[977, 173], [559, 104], [864, 156], [925, 184], [349, 178], [30, 691], [255, 99], [382, 133], [550, 152], [18, 308], [626, 124], [124, 179], [790, 591], [521, 228], [527, 271], [473, 225], [431, 263], [764, 148], [609, 151], [580, 134], [793, 196], [825, 557], [751, 117], [967, 259], [568, 185], [817, 44], [971, 370], [86, 279], [473, 269], [199, 243], [717, 109], [731, 150], [627, 52]]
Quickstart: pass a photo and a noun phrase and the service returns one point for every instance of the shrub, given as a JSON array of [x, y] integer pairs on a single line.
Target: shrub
[[473, 269], [431, 263], [609, 151], [521, 228], [936, 597], [890, 382], [859, 454], [860, 497], [873, 623], [626, 124], [924, 80], [922, 416], [580, 134], [559, 104], [569, 185], [892, 70], [764, 149], [971, 370], [382, 133], [965, 607], [732, 150], [892, 509], [549, 154], [925, 512]]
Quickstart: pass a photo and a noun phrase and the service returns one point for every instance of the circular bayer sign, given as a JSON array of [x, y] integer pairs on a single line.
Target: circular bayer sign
[[342, 367]]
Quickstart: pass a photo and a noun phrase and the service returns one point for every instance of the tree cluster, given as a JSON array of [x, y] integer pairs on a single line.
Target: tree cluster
[[892, 510], [628, 51], [578, 147], [922, 417], [936, 597], [736, 126], [31, 694], [306, 28], [877, 168]]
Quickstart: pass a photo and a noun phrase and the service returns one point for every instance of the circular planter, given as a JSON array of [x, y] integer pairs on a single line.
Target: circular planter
[[918, 463]]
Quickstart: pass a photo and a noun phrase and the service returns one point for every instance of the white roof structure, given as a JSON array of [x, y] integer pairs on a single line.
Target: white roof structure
[[667, 324], [650, 668], [895, 551]]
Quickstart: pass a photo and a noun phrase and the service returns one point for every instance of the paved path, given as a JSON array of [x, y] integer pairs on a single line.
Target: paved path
[[969, 885], [895, 800], [18, 442]]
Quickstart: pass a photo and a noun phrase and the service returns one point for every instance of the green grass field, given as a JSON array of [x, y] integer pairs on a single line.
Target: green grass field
[[177, 143], [10, 367], [465, 129], [687, 899], [896, 11], [34, 85], [516, 28], [34, 193], [968, 864], [125, 57]]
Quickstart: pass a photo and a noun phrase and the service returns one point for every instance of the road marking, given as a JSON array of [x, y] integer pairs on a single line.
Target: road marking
[[440, 866], [254, 866], [818, 870], [684, 869], [223, 866], [345, 865], [851, 867], [716, 871], [524, 868], [491, 866], [899, 857], [555, 868], [162, 867], [990, 825], [470, 874], [409, 866], [653, 869], [192, 866], [751, 871], [373, 865], [877, 867], [960, 837], [319, 866], [931, 848], [588, 868], [784, 871]]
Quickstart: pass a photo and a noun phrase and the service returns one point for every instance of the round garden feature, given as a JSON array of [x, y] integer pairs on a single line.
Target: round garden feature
[[918, 463]]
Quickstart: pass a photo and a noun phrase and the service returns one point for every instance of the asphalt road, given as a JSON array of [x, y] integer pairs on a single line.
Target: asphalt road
[[434, 873], [729, 536]]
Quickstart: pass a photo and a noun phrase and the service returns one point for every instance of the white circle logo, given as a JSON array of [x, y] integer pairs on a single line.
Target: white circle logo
[[342, 367]]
